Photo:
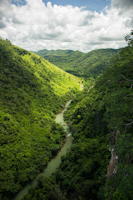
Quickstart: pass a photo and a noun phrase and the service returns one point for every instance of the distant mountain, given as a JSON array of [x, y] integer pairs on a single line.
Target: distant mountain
[[32, 90], [85, 65], [53, 52]]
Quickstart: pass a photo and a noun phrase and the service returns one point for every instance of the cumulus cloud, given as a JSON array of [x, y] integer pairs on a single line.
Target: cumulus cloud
[[37, 25], [2, 25], [129, 22], [122, 4]]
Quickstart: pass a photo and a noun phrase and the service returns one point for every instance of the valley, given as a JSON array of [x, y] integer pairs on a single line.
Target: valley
[[34, 92], [85, 65]]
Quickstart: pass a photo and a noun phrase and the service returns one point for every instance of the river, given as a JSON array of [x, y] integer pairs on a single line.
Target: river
[[55, 162]]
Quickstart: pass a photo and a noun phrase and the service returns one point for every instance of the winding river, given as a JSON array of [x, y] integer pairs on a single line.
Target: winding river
[[54, 163]]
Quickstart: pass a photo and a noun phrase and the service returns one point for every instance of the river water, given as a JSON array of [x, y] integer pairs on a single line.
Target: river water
[[55, 162]]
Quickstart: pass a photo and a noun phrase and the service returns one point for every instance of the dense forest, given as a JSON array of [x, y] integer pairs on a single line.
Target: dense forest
[[101, 122], [84, 65], [32, 91], [99, 164]]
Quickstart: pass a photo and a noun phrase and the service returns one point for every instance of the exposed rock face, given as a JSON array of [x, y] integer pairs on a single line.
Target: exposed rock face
[[112, 167]]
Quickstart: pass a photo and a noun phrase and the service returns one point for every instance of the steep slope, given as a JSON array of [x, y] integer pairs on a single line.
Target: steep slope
[[106, 112], [31, 91], [65, 62], [84, 65], [95, 62], [99, 119]]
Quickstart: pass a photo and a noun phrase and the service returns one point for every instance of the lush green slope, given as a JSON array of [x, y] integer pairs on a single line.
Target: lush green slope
[[53, 52], [65, 62], [91, 64], [94, 63], [104, 113], [31, 91], [100, 119]]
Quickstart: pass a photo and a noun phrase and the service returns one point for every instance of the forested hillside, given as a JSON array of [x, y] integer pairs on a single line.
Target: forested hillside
[[31, 91], [87, 65], [99, 119], [53, 52], [105, 115]]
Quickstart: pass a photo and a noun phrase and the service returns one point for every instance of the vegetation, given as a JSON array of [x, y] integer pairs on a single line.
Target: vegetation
[[99, 119], [129, 39], [53, 52], [87, 65], [107, 108], [32, 92]]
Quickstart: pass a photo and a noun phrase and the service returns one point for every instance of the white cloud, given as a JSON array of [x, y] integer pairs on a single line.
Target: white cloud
[[37, 26]]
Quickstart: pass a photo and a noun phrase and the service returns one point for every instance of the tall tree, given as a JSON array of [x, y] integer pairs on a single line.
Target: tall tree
[[129, 38]]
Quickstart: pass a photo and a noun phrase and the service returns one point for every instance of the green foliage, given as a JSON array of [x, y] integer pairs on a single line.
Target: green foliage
[[109, 106], [120, 186], [93, 115], [82, 173], [92, 119], [47, 188], [129, 39], [53, 52], [32, 91], [91, 64], [103, 106]]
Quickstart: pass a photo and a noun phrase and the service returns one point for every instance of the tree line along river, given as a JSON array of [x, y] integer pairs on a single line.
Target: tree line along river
[[55, 162]]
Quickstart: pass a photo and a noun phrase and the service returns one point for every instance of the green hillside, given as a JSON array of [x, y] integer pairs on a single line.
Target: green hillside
[[31, 91], [65, 62], [87, 65], [99, 119], [53, 52]]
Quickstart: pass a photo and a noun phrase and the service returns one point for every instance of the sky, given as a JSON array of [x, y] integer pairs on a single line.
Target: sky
[[82, 25]]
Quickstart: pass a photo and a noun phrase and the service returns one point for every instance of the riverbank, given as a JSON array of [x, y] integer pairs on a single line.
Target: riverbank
[[55, 162]]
